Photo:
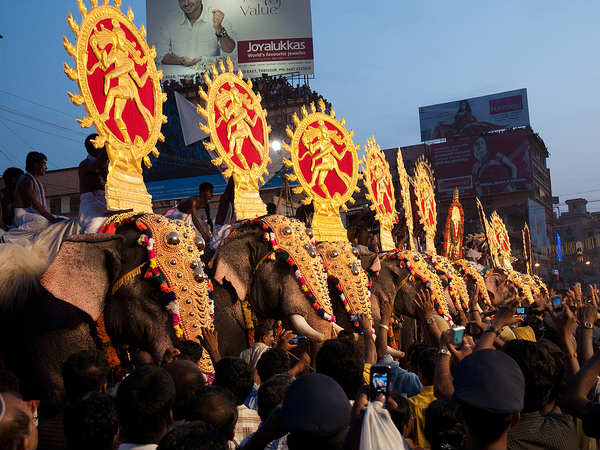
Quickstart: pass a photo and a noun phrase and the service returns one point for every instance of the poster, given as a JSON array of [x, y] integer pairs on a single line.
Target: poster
[[272, 37]]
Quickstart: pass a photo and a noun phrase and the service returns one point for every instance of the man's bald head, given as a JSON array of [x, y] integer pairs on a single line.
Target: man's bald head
[[17, 429]]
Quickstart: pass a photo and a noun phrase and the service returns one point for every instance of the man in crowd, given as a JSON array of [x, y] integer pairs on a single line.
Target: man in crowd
[[145, 400], [187, 210], [17, 427], [215, 405], [189, 380], [263, 341], [192, 34], [31, 209], [92, 423], [93, 171], [425, 365], [7, 196]]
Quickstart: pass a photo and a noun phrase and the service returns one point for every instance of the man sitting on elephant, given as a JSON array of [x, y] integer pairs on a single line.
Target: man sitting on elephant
[[93, 171]]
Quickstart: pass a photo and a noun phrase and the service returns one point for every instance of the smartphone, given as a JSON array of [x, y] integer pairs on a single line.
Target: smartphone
[[556, 303], [379, 384], [521, 310], [458, 334], [298, 339]]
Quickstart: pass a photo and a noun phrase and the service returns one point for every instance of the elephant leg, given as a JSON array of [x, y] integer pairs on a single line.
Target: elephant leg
[[229, 322]]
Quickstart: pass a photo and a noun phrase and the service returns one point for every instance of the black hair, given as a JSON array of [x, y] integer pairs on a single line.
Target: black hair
[[426, 365], [484, 426], [542, 371], [271, 208], [272, 362], [401, 414], [205, 187], [8, 381], [144, 402], [89, 145], [13, 432], [261, 330], [443, 427], [33, 158], [196, 435], [84, 372], [189, 350], [91, 422], [189, 380], [413, 353], [11, 172], [215, 405], [271, 393], [234, 374], [341, 359]]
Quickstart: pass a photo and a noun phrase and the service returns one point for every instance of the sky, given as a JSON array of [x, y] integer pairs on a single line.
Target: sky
[[376, 62]]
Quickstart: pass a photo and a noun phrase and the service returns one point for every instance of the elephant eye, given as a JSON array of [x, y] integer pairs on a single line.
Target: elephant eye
[[173, 238]]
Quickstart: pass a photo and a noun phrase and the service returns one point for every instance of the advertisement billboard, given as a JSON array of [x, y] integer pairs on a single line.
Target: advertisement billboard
[[483, 165], [271, 37], [473, 116]]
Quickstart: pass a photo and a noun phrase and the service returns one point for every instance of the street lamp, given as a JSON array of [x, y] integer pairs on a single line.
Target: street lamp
[[276, 145], [536, 265], [587, 263]]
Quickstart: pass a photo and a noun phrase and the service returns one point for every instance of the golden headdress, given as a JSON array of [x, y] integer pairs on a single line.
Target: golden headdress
[[454, 232], [423, 184], [120, 89], [502, 240], [239, 134], [406, 201], [380, 187], [325, 163]]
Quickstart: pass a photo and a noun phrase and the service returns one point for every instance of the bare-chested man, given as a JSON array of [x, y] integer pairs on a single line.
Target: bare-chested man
[[31, 209], [7, 196], [187, 210], [92, 179]]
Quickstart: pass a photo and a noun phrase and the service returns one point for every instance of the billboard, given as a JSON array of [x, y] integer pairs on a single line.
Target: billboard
[[473, 116], [271, 37], [483, 165]]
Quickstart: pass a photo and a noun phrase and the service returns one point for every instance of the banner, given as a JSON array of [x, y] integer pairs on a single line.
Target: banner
[[473, 116], [484, 165], [272, 37]]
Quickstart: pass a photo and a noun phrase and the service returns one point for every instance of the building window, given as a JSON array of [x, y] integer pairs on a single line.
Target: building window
[[55, 205], [74, 204]]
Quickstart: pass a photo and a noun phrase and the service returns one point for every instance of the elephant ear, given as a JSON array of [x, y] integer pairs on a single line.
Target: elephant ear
[[83, 271], [371, 262], [233, 261]]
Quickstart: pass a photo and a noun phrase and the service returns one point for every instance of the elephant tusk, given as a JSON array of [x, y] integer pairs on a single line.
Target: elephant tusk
[[395, 353], [336, 328], [303, 328]]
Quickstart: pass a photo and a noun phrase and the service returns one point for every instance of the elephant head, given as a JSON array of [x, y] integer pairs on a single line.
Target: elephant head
[[244, 264], [112, 274]]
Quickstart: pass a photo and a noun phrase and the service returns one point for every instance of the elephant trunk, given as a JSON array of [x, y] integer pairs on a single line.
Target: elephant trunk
[[303, 328]]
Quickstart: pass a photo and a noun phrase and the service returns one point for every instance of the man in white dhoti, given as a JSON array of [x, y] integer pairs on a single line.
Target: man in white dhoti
[[92, 179], [30, 207]]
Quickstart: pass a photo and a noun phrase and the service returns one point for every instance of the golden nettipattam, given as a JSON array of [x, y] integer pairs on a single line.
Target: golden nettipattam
[[120, 89], [422, 182], [406, 201], [239, 134], [380, 187]]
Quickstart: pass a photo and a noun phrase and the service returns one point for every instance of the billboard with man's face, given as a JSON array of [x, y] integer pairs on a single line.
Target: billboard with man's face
[[483, 165], [473, 116], [271, 37]]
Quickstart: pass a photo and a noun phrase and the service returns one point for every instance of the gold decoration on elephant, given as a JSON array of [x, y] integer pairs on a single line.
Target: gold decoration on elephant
[[239, 134], [422, 182], [454, 231], [541, 285], [292, 236], [325, 163], [343, 265], [179, 251], [535, 289], [380, 187], [120, 89], [502, 241], [469, 269], [527, 251], [490, 236], [456, 285], [406, 201], [517, 280]]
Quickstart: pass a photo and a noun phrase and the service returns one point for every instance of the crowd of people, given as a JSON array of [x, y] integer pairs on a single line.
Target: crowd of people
[[516, 380]]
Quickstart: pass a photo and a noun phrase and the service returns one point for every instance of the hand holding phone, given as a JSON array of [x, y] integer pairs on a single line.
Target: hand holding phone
[[297, 340], [458, 334], [521, 310], [557, 303], [379, 383]]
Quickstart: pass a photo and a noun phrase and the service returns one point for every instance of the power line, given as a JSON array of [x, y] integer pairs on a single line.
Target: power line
[[41, 131], [35, 103], [17, 135], [28, 116], [10, 158]]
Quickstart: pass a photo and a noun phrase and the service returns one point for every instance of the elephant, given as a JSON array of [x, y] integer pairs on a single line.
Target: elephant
[[77, 287]]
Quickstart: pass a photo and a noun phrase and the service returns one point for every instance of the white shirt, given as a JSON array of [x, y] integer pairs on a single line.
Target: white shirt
[[181, 38]]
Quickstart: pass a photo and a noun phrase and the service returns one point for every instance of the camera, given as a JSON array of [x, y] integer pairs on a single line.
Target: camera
[[379, 383]]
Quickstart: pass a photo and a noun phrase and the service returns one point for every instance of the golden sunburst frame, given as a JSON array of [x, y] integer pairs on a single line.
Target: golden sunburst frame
[[120, 89], [406, 200], [502, 240], [422, 182], [380, 187], [239, 134], [325, 163]]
